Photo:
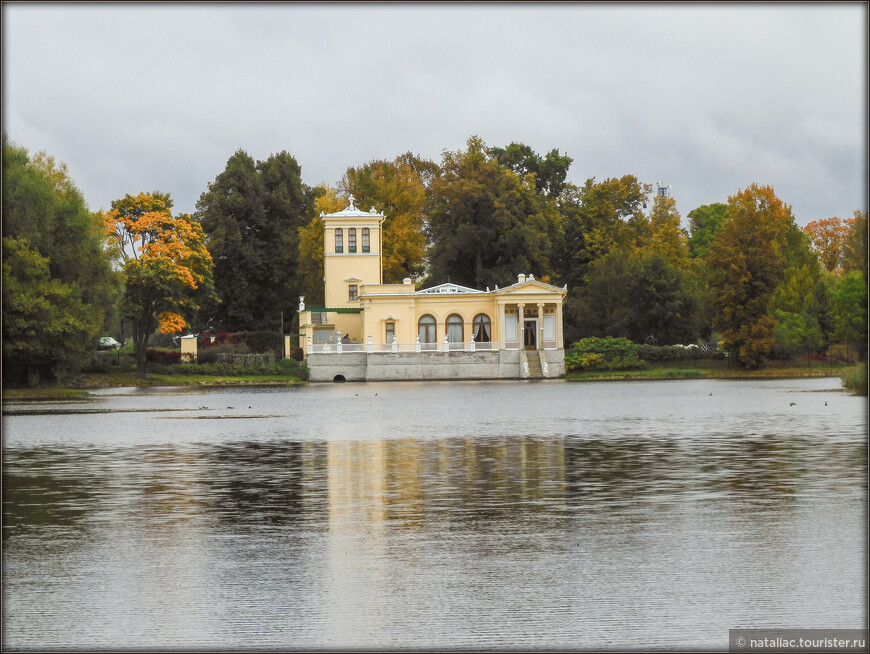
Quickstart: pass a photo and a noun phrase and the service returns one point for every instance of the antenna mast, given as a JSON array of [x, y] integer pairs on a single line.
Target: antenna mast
[[662, 191]]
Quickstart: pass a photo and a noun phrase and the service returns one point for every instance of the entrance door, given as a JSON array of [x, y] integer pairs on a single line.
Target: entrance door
[[530, 334]]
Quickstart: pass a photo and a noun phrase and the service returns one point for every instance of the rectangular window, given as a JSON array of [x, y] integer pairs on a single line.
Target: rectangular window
[[352, 292], [351, 240], [391, 333], [510, 328], [366, 241], [339, 240], [549, 328]]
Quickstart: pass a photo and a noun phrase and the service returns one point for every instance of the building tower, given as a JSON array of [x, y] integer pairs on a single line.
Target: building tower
[[352, 254]]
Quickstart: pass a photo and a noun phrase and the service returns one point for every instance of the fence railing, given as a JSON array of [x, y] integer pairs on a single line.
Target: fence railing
[[378, 348], [443, 346]]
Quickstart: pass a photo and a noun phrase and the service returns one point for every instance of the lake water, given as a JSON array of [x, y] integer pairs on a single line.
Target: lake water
[[528, 515]]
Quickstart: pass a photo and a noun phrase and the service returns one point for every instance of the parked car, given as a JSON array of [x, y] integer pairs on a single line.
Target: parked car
[[108, 343]]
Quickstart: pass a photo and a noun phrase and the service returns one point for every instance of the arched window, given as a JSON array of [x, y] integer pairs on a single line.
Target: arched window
[[339, 240], [366, 244], [482, 328], [454, 328], [427, 329], [351, 240]]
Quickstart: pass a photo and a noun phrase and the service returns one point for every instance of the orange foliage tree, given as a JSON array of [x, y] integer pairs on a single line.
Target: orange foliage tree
[[745, 265], [855, 244], [828, 237], [165, 264]]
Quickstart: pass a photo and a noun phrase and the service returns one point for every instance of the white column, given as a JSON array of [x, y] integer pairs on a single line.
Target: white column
[[540, 338], [501, 326], [521, 326], [559, 342]]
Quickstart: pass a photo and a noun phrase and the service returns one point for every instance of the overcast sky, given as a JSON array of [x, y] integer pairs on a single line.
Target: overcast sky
[[706, 98]]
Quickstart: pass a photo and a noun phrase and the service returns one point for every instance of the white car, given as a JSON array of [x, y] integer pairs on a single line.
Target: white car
[[108, 343]]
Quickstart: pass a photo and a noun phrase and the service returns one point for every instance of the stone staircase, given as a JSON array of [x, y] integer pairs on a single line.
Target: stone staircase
[[533, 357]]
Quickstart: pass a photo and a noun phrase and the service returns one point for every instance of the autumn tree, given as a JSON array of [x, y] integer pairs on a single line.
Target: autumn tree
[[745, 265], [855, 244], [486, 224], [251, 215], [705, 222], [310, 268], [828, 237], [594, 220], [597, 219], [399, 190], [58, 287], [166, 266], [666, 237]]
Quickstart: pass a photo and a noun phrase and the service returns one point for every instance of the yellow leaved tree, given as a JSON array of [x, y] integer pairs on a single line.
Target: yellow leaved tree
[[166, 267], [310, 266], [398, 188]]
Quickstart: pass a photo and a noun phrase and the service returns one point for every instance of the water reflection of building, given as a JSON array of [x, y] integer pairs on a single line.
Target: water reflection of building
[[403, 483]]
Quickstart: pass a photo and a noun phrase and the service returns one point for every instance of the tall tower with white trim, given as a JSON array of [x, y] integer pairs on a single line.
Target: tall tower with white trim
[[352, 251]]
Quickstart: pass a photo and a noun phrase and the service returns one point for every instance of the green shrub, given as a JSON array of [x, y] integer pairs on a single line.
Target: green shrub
[[213, 354], [110, 361], [263, 365], [603, 354]]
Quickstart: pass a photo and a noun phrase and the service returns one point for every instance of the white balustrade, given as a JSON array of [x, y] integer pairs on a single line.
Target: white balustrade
[[371, 347]]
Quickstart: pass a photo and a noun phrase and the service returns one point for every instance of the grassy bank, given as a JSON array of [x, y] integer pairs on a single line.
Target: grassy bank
[[855, 379], [78, 388], [659, 373], [116, 379], [46, 393]]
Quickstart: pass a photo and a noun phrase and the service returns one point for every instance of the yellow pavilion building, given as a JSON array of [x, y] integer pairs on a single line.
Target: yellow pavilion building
[[370, 331]]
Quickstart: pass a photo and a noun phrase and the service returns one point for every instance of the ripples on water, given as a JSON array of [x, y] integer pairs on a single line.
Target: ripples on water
[[507, 515]]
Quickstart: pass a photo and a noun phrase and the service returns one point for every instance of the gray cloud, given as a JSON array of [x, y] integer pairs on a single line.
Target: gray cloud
[[707, 98]]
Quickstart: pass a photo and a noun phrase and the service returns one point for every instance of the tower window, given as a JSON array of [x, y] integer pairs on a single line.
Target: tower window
[[339, 240], [351, 240], [365, 240], [352, 292]]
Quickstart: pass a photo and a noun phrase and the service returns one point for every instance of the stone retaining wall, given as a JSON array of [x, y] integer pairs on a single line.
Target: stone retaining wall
[[419, 366]]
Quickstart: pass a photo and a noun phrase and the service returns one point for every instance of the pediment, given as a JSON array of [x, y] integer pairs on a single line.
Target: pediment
[[531, 286]]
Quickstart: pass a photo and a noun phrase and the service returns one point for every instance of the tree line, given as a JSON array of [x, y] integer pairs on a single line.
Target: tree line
[[743, 273]]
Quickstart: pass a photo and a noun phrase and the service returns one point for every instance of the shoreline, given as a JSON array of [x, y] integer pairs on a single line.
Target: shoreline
[[80, 390], [664, 374]]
